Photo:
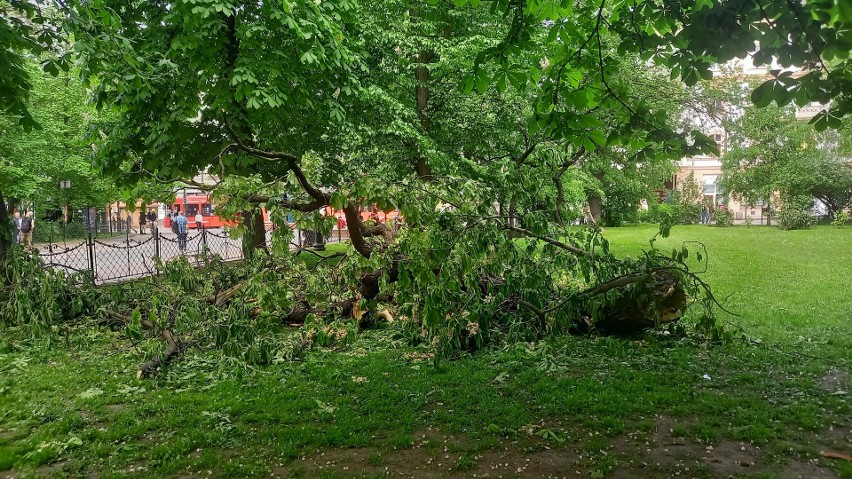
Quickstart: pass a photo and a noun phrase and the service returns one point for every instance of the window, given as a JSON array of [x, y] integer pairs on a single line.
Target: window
[[713, 192], [710, 184], [720, 144]]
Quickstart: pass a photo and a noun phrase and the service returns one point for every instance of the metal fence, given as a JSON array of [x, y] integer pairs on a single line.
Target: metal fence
[[126, 257]]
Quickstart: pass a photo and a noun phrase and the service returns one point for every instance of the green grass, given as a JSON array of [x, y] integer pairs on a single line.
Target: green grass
[[76, 409], [787, 286]]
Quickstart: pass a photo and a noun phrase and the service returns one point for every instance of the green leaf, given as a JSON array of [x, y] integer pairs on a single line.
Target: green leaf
[[467, 84], [90, 393], [762, 95], [482, 82]]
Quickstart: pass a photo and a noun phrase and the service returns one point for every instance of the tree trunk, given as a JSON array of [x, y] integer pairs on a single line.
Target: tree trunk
[[422, 92], [595, 207], [768, 215], [255, 236], [661, 299], [7, 230]]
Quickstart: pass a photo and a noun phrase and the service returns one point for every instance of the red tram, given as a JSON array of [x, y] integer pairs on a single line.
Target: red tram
[[196, 203]]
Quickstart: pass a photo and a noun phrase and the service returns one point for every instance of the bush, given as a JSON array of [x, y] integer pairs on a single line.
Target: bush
[[794, 219], [56, 231], [648, 216], [723, 218], [840, 219], [689, 213]]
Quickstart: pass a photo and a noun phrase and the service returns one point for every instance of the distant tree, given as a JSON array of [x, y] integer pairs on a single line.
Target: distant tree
[[33, 163], [771, 153]]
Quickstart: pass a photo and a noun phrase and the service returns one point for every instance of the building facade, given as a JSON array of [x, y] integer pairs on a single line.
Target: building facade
[[706, 170]]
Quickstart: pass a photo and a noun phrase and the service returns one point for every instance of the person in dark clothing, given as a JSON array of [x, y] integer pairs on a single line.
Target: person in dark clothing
[[143, 221], [27, 225], [181, 229], [152, 219]]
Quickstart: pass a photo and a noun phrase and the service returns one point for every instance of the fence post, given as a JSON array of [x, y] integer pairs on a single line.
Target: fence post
[[127, 244], [90, 249], [156, 241]]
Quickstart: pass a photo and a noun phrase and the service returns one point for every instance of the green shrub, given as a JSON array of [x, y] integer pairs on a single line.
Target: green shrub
[[840, 219], [57, 231], [647, 216], [689, 213], [723, 218], [794, 219]]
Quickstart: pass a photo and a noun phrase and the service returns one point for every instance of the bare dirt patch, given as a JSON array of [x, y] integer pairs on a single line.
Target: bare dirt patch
[[646, 453], [836, 381], [661, 453], [434, 456]]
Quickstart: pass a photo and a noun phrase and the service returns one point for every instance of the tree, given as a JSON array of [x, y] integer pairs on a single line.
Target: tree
[[33, 163], [27, 29], [306, 104], [774, 154]]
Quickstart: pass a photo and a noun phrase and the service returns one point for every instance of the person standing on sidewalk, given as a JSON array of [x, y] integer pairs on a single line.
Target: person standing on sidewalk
[[199, 220], [152, 218], [17, 220], [180, 229], [27, 227], [143, 220]]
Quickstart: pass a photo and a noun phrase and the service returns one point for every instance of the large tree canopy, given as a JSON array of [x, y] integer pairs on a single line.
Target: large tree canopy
[[481, 121], [27, 29]]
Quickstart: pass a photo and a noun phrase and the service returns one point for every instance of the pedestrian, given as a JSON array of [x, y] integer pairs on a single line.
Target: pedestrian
[[16, 218], [27, 227], [143, 221], [129, 223], [152, 218], [705, 214], [180, 229], [199, 220]]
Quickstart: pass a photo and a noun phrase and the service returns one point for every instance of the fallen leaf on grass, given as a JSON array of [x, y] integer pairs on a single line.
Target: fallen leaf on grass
[[836, 455], [90, 393]]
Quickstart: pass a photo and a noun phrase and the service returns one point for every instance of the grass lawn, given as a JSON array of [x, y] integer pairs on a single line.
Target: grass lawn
[[566, 407]]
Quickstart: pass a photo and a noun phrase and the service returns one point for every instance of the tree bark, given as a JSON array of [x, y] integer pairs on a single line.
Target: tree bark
[[7, 230], [595, 207], [255, 237], [422, 92]]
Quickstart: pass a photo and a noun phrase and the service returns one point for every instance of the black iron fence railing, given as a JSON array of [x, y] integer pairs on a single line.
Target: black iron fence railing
[[125, 257]]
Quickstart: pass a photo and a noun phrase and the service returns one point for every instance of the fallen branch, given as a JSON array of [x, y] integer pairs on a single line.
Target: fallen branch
[[173, 348], [224, 296], [558, 244]]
